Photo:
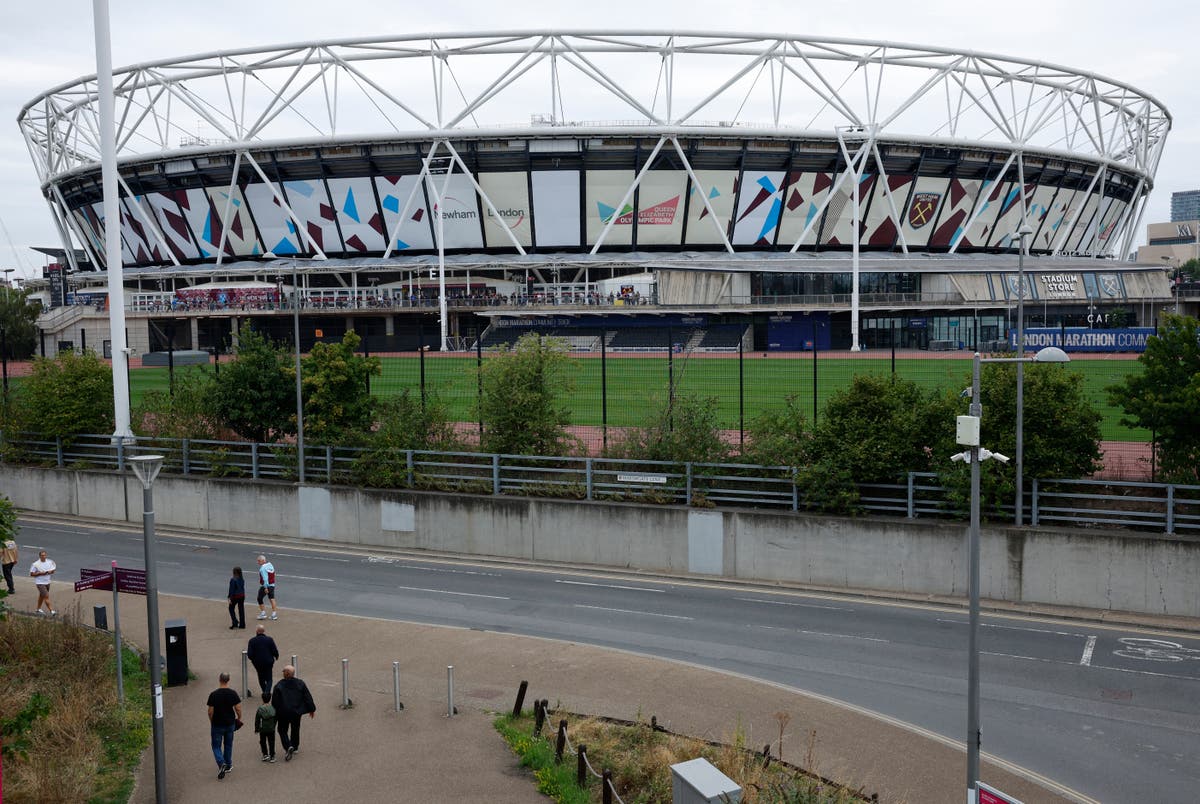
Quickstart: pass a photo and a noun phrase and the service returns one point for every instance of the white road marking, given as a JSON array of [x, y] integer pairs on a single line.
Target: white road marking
[[447, 592], [307, 578], [1093, 666], [788, 603], [1016, 628], [822, 633], [451, 571], [611, 586], [310, 558], [1086, 659], [628, 611]]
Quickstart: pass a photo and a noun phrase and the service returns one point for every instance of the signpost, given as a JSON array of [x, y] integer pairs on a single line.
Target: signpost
[[118, 579], [990, 795]]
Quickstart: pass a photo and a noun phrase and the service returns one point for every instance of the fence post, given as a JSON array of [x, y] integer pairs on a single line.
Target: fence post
[[911, 502], [604, 389], [606, 783], [187, 457], [396, 685], [409, 464], [58, 450], [120, 454], [539, 717], [581, 767], [495, 474], [1170, 508], [328, 464], [1033, 514], [1, 446], [561, 742], [246, 675], [254, 460], [588, 474], [795, 490], [689, 482], [520, 702]]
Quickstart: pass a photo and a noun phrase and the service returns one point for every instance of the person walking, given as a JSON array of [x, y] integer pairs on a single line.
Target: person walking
[[262, 653], [224, 713], [292, 701], [264, 724], [237, 599], [266, 588], [42, 570], [9, 558]]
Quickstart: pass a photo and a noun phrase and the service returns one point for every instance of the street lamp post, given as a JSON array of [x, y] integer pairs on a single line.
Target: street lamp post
[[968, 436], [147, 467], [1023, 232]]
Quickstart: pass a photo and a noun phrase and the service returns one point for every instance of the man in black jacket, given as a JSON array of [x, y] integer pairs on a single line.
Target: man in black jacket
[[291, 700], [262, 653]]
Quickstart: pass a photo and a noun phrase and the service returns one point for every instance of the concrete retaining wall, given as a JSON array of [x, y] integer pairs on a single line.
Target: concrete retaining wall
[[1092, 569]]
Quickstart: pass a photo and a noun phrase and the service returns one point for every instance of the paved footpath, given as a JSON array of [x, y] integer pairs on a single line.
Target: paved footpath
[[370, 753]]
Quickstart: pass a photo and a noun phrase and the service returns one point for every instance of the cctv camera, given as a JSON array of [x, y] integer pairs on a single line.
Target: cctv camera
[[961, 456], [1002, 458]]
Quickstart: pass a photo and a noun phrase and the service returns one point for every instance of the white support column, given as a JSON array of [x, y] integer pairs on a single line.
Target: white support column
[[628, 195], [980, 203], [150, 223], [237, 163], [421, 177], [703, 193], [301, 229], [112, 225]]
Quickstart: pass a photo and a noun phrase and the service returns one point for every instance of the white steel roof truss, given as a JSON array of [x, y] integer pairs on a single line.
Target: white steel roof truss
[[703, 193], [491, 207], [979, 199], [637, 180], [301, 229], [503, 81], [147, 219], [422, 177], [847, 172]]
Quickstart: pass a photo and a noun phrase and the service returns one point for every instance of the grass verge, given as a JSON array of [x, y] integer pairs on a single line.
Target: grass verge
[[66, 737], [640, 755]]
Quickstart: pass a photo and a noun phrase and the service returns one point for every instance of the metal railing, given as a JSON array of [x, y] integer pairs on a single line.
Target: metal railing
[[1156, 507]]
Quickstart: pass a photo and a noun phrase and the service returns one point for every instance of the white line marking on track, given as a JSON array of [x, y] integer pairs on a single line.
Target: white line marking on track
[[1093, 666], [306, 578], [822, 633], [447, 592], [612, 586], [629, 611], [451, 571], [788, 603], [1086, 659]]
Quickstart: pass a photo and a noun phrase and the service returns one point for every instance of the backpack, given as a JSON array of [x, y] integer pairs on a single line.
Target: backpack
[[266, 719]]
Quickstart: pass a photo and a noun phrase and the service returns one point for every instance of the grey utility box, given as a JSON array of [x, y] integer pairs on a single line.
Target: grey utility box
[[698, 782]]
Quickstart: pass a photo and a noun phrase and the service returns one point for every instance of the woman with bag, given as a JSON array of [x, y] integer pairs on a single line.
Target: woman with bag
[[237, 599]]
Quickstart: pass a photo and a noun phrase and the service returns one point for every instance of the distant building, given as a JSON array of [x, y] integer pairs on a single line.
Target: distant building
[[1185, 206], [1172, 243]]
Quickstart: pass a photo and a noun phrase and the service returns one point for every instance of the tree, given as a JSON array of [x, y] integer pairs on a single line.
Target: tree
[[523, 406], [1165, 396], [18, 319], [882, 427], [255, 395], [1061, 431], [405, 423], [682, 429], [65, 396], [338, 409]]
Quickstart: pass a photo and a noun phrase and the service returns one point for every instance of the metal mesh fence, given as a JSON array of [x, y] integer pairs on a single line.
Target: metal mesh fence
[[619, 377]]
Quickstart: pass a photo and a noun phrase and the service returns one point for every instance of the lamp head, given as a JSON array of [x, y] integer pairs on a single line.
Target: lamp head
[[1051, 354], [146, 467]]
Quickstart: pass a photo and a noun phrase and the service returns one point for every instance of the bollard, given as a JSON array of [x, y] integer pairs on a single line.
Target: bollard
[[246, 675], [606, 784], [346, 702], [396, 685], [539, 718], [450, 710], [581, 767], [296, 664], [561, 742], [520, 698]]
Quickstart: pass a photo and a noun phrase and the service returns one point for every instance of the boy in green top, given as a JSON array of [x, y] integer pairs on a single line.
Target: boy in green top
[[264, 724]]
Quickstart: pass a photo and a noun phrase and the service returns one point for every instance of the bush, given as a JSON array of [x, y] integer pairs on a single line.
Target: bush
[[65, 396], [680, 430], [337, 407], [405, 422], [188, 413], [255, 395], [780, 437]]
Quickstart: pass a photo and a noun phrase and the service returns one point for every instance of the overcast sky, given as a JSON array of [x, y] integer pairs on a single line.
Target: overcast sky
[[43, 43]]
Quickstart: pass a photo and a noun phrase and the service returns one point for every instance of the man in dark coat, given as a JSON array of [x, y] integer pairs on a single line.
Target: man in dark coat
[[291, 700], [262, 653]]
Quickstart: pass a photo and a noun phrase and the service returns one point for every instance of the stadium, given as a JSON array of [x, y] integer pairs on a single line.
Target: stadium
[[703, 191]]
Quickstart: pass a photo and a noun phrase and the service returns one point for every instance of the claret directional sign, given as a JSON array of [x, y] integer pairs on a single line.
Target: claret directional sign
[[130, 581], [990, 795]]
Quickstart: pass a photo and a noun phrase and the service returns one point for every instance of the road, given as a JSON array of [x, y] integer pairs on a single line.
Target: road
[[1113, 713]]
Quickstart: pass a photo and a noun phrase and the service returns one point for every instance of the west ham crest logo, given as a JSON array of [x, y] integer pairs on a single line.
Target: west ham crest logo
[[1110, 285], [920, 212]]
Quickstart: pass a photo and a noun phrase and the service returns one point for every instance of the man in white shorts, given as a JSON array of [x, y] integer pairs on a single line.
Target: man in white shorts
[[42, 571]]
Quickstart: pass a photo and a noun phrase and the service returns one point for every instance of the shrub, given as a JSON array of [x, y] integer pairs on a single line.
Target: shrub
[[523, 407]]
